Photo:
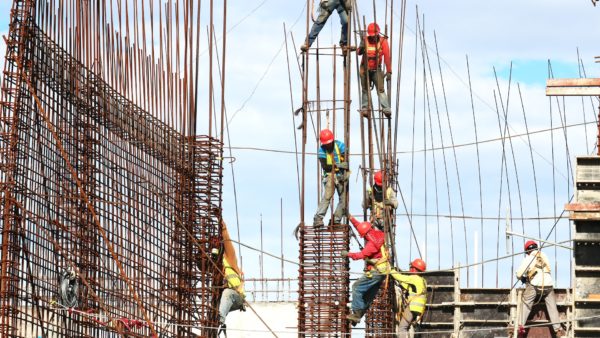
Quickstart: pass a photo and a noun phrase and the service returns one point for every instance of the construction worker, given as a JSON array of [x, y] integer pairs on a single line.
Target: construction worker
[[233, 295], [332, 154], [343, 7], [377, 201], [374, 49], [365, 288], [415, 289], [534, 271]]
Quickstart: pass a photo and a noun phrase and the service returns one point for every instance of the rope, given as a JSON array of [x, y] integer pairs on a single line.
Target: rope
[[99, 318]]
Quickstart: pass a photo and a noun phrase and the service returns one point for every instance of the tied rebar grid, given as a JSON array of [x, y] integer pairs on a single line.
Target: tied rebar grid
[[380, 316], [94, 187], [324, 282]]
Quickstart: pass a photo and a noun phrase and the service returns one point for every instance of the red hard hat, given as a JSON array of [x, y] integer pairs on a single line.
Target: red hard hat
[[362, 227], [373, 29], [419, 265], [378, 178], [530, 245], [326, 136]]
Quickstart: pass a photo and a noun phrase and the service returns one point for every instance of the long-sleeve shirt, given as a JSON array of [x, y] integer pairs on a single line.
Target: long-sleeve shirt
[[375, 53], [529, 264], [372, 250]]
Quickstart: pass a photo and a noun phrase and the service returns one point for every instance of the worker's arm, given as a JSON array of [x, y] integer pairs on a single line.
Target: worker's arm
[[522, 270], [391, 199], [366, 203], [361, 47], [326, 167], [385, 49], [369, 250]]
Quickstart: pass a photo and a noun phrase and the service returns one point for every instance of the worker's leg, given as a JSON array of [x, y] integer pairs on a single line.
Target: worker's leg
[[344, 22], [328, 189], [405, 321], [226, 303], [362, 291], [324, 13], [550, 300], [342, 188], [529, 296], [364, 88], [379, 83]]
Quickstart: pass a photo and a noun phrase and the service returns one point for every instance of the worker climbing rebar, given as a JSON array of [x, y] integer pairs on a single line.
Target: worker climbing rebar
[[326, 8], [375, 49], [233, 296], [378, 201], [332, 154], [365, 288]]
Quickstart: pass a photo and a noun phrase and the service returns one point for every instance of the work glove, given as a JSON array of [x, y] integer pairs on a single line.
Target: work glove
[[523, 279], [388, 203], [343, 165], [388, 76], [344, 253], [353, 255]]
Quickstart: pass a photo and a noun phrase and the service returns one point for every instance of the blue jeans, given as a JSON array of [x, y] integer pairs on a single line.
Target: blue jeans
[[364, 291], [324, 13], [230, 301]]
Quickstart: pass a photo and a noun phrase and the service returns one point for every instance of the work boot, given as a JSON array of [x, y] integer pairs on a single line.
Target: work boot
[[222, 329], [561, 333], [387, 112], [364, 112], [355, 317], [318, 223], [304, 48]]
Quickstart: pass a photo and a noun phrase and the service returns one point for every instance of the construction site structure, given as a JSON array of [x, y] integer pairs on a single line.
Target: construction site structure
[[108, 211]]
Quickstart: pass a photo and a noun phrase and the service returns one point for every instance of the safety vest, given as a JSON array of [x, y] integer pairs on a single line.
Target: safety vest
[[378, 205], [382, 264], [233, 279], [330, 158], [539, 264], [374, 54], [417, 295]]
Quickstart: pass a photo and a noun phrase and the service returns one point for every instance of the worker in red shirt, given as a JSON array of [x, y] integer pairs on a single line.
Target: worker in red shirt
[[374, 49], [365, 288]]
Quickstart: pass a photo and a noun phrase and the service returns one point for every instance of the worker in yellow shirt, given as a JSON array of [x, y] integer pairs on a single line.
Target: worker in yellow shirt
[[232, 297], [415, 288]]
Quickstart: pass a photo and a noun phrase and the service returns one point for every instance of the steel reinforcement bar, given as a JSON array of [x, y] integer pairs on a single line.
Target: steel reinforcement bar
[[137, 265]]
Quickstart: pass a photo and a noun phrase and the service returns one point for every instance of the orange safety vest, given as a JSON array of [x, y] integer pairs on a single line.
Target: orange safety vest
[[374, 54]]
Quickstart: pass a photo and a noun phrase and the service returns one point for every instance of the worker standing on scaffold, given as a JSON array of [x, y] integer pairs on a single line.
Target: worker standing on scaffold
[[326, 8], [534, 271], [374, 49], [332, 154], [377, 200]]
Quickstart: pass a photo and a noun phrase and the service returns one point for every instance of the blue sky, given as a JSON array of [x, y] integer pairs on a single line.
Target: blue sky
[[492, 34]]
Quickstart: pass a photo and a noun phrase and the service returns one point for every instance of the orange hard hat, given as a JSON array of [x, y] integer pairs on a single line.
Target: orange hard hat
[[419, 265], [373, 29], [326, 136], [378, 178], [530, 245]]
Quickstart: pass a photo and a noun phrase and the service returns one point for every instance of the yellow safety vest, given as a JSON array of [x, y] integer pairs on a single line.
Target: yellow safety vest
[[330, 156], [417, 290], [383, 265], [233, 279]]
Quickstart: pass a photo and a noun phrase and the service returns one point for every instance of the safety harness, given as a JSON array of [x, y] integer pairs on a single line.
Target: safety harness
[[330, 158], [540, 264]]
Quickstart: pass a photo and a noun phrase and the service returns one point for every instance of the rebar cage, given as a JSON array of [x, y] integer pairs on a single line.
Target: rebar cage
[[107, 213]]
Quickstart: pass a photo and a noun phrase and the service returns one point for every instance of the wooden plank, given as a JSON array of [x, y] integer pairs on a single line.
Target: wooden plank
[[572, 91], [573, 87], [579, 82]]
